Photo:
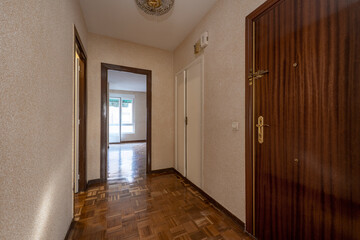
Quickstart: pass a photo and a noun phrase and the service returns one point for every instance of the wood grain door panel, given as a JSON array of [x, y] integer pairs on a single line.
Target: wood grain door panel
[[307, 172], [275, 94]]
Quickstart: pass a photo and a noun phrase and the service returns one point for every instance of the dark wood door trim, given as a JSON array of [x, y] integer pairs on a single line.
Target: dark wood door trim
[[82, 111], [249, 111], [103, 138]]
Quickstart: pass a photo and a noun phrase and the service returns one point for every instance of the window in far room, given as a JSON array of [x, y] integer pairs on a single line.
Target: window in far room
[[114, 120], [127, 116]]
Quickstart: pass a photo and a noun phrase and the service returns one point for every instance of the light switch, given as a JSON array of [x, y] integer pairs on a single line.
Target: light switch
[[235, 126]]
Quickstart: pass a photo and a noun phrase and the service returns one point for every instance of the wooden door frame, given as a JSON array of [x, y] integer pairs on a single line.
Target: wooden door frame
[[82, 137], [249, 124], [104, 115]]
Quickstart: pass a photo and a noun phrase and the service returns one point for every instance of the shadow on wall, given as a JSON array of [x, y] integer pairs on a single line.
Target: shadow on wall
[[47, 204]]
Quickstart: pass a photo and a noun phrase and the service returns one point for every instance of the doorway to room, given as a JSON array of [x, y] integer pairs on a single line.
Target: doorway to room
[[125, 122], [79, 180]]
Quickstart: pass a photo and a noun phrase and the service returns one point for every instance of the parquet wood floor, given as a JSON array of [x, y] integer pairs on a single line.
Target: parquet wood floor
[[156, 206]]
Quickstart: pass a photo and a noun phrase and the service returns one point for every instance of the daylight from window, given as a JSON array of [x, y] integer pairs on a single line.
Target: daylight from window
[[127, 116]]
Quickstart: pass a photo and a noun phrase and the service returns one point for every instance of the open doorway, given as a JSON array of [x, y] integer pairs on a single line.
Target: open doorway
[[125, 122], [79, 123]]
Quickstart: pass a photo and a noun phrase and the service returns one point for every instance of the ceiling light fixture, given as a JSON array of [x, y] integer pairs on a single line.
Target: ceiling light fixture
[[155, 7]]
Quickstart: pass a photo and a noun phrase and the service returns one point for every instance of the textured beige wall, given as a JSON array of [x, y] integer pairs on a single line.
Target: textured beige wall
[[108, 50], [36, 99], [224, 149], [139, 115]]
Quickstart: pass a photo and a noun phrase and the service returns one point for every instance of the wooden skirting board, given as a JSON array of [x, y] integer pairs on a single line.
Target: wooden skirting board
[[163, 171], [94, 182], [204, 196], [216, 204], [173, 170], [134, 141]]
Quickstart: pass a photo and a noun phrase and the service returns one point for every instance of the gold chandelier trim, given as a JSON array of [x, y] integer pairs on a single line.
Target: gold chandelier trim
[[155, 7]]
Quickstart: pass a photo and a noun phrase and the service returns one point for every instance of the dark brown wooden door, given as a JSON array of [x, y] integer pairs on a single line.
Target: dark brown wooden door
[[82, 125], [307, 170]]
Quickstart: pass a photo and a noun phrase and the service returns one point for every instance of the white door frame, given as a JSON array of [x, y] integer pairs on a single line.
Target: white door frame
[[176, 122], [200, 59], [75, 133]]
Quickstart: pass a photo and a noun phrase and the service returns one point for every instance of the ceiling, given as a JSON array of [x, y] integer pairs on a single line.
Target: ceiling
[[122, 19], [126, 81]]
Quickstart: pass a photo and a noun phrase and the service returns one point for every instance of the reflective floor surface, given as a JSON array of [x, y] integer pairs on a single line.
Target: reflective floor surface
[[126, 161], [134, 205]]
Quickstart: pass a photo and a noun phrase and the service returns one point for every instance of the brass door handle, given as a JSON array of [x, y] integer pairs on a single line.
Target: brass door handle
[[260, 125]]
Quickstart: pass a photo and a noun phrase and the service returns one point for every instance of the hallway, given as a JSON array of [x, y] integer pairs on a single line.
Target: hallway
[[138, 206], [250, 111]]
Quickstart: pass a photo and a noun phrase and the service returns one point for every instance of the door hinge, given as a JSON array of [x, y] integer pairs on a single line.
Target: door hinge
[[78, 121], [256, 75], [186, 120]]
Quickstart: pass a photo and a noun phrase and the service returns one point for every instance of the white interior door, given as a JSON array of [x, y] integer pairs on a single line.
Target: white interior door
[[194, 126], [180, 120]]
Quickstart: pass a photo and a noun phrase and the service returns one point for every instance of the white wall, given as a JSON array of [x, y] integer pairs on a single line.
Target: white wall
[[36, 106], [224, 96], [139, 114], [109, 50]]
